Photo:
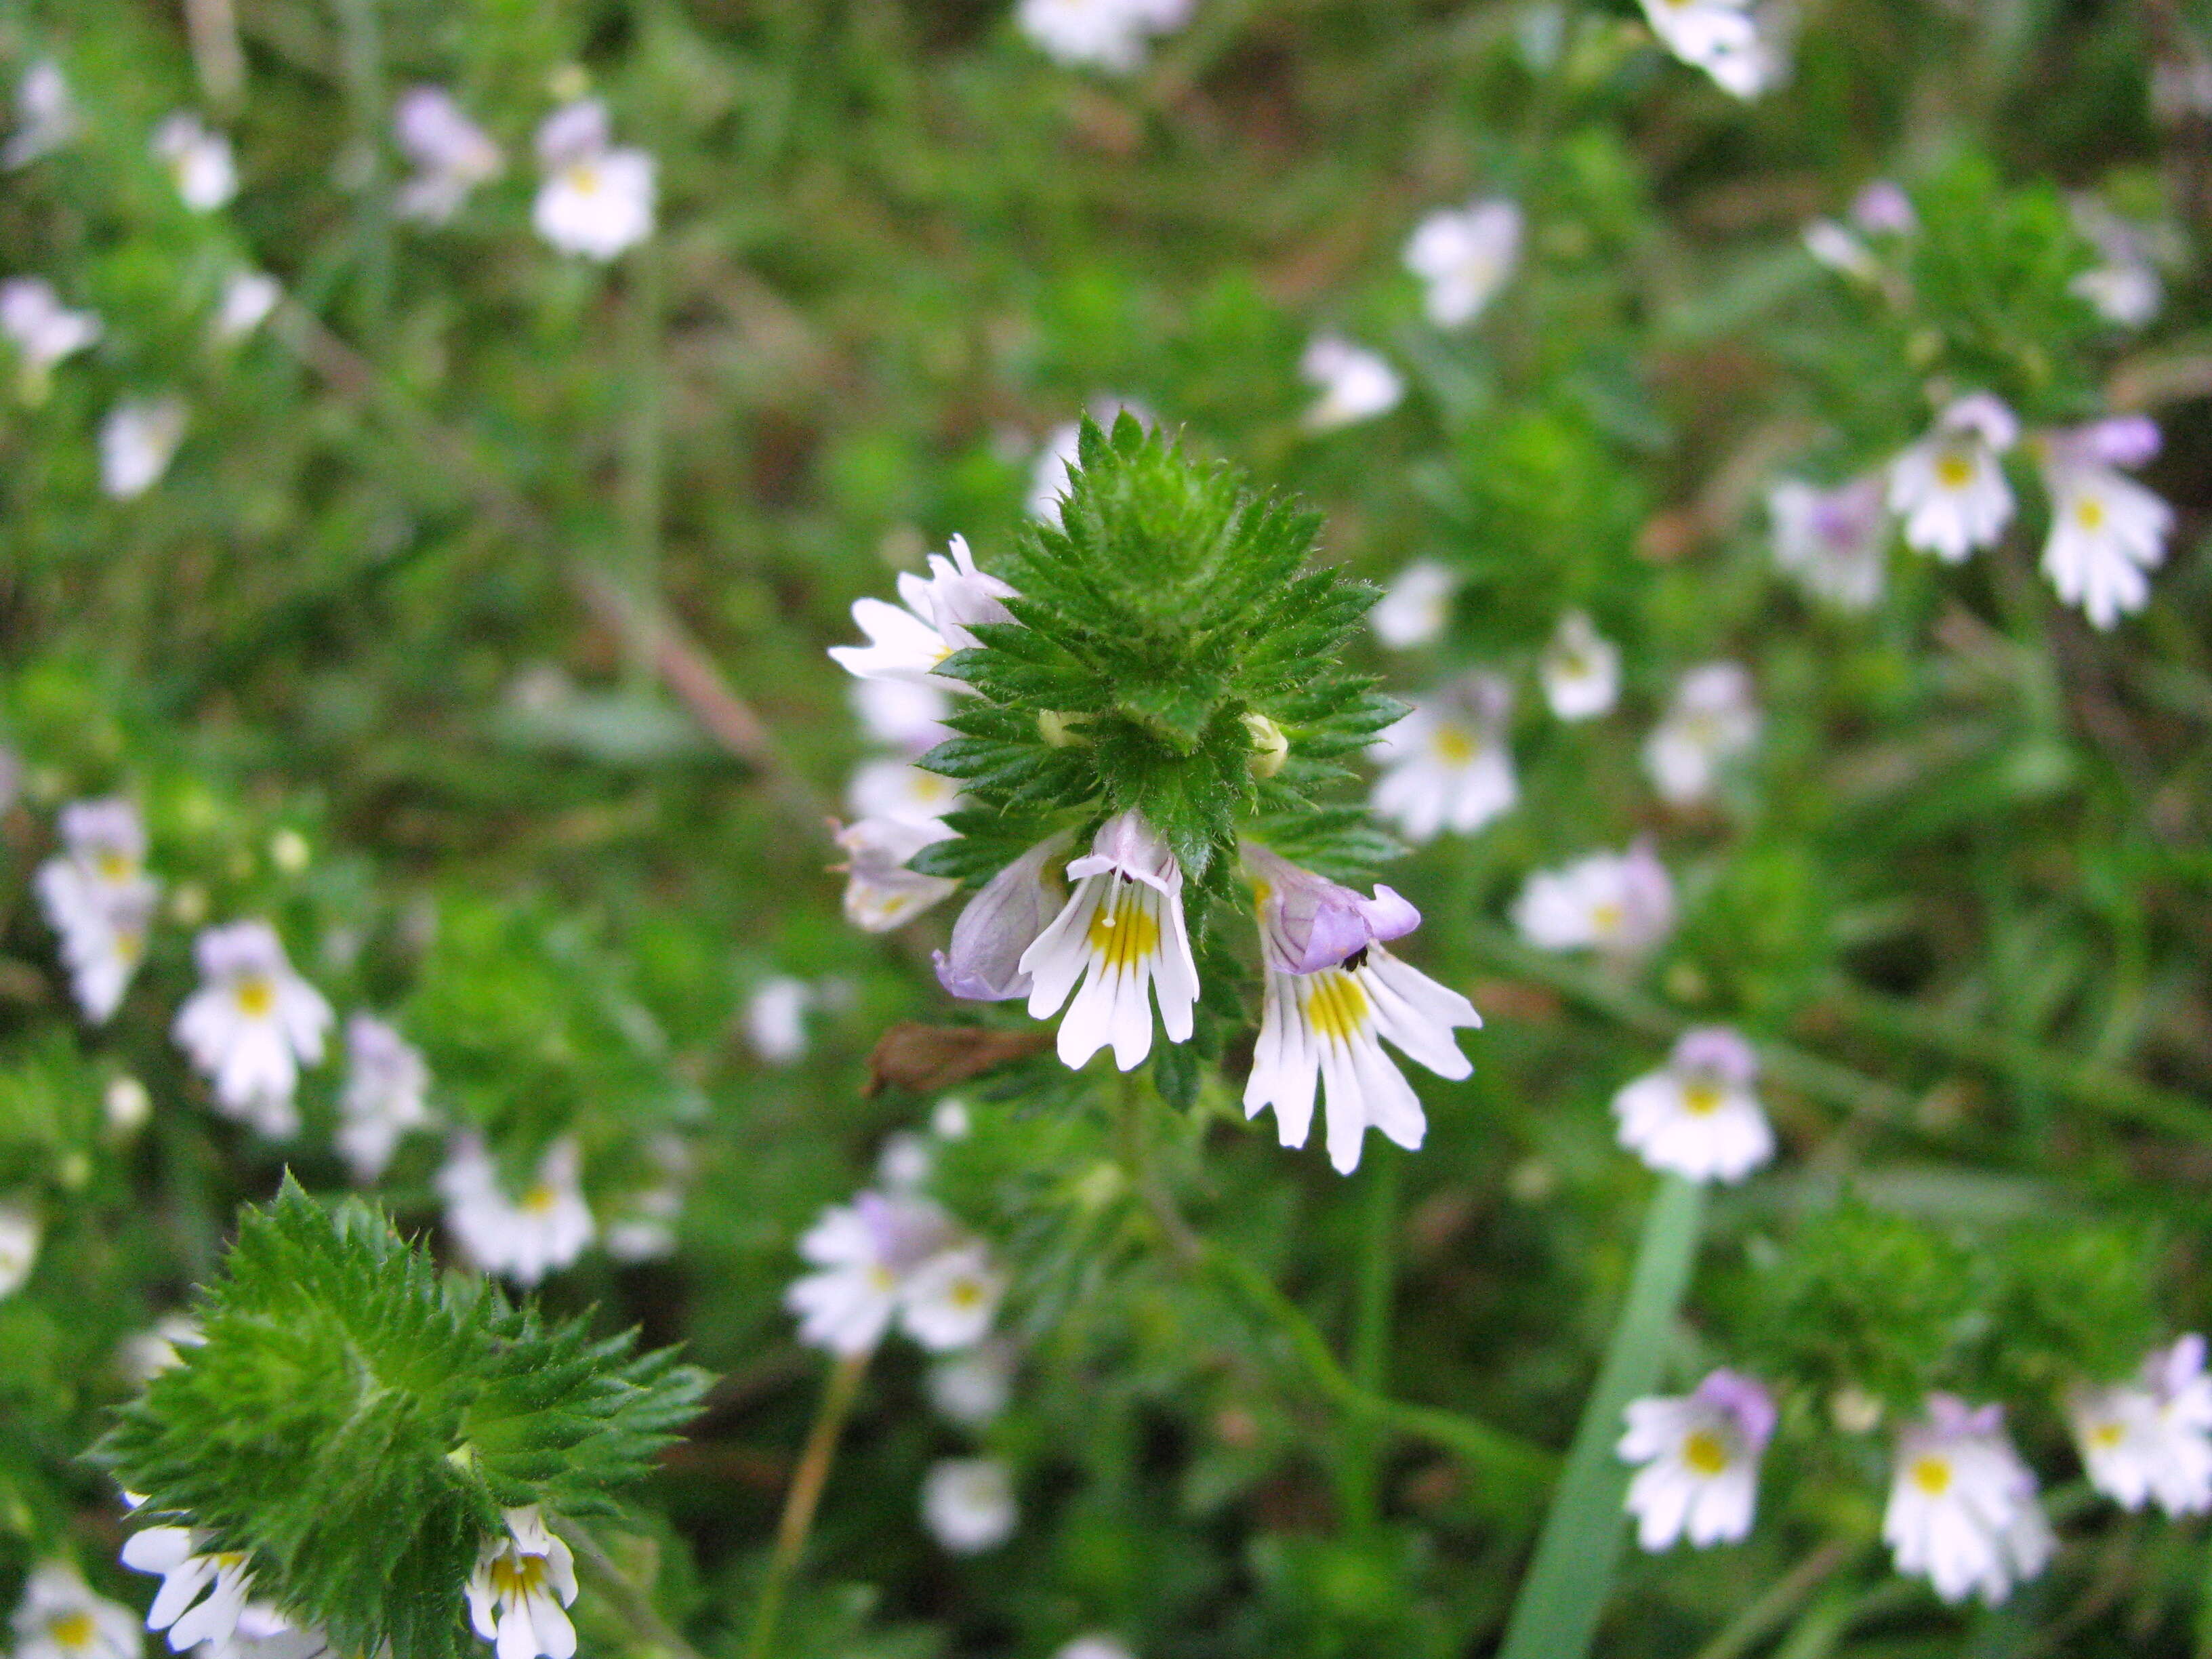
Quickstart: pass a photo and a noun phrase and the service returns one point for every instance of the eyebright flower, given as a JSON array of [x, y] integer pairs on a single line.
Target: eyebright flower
[[521, 1587], [20, 1233], [518, 1239], [99, 899], [1712, 721], [1415, 607], [1720, 37], [202, 1593], [248, 297], [452, 155], [968, 1503], [906, 794], [880, 1260], [940, 610], [1622, 903], [1700, 1455], [145, 1355], [971, 1388], [251, 1024], [60, 1618], [2152, 1438], [137, 441], [907, 714], [1464, 256], [1580, 669], [1962, 1506], [951, 1298], [1948, 487], [1093, 1645], [2124, 287], [199, 162], [1333, 993], [386, 1082], [1833, 541], [2106, 530], [775, 1018], [1697, 1117], [262, 1632], [997, 926], [1356, 383], [596, 200], [1446, 765], [1107, 35], [880, 892], [45, 115], [1121, 933], [42, 330]]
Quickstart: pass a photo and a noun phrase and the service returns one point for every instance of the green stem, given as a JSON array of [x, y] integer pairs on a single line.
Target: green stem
[[1556, 1613], [805, 1496], [1360, 1481], [1782, 1599]]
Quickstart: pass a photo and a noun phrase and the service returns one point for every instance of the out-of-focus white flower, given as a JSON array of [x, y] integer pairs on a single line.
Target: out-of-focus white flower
[[1712, 721], [949, 1119], [386, 1082], [968, 1503], [60, 1618], [42, 330], [1949, 487], [1883, 208], [202, 1592], [1463, 256], [1962, 1506], [951, 1298], [1722, 38], [940, 610], [1093, 1645], [20, 1233], [1048, 476], [888, 1257], [992, 938], [596, 199], [971, 1388], [248, 297], [1447, 765], [1697, 1117], [1840, 251], [1415, 607], [1699, 1453], [907, 714], [1121, 933], [880, 892], [251, 1024], [452, 155], [145, 1355], [262, 1632], [1621, 903], [2125, 288], [642, 1226], [2151, 1439], [1833, 541], [137, 441], [1580, 669], [1107, 35], [1356, 383], [520, 1589], [2107, 532], [775, 1018], [903, 1161], [199, 162], [97, 896], [45, 115], [520, 1238], [902, 792], [127, 1105]]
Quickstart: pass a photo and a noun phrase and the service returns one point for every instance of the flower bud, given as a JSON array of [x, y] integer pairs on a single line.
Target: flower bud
[[1270, 748], [1000, 923]]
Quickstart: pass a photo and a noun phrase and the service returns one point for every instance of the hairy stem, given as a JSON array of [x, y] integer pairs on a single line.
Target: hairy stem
[[805, 1494]]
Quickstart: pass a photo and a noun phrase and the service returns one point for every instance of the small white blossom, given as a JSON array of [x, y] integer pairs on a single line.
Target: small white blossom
[[968, 1503], [1699, 1453], [950, 1119], [1447, 765], [144, 1357], [940, 610], [127, 1105], [262, 1632], [775, 1018], [1712, 721], [951, 1298], [60, 1618], [42, 330], [199, 162], [904, 1161], [45, 115], [1834, 542], [971, 1388], [1464, 256], [880, 892], [20, 1233], [892, 1256], [1415, 607], [2125, 287], [596, 199], [98, 897], [522, 1585], [1962, 1506], [1107, 35], [2151, 1439], [1721, 37], [992, 938], [452, 155], [907, 714], [386, 1084], [1840, 251], [2106, 530], [1948, 487], [137, 441], [1580, 669], [519, 1238], [202, 1592], [248, 297], [251, 1024], [1622, 903], [1697, 1117], [1356, 383], [1121, 934], [902, 792], [1094, 1644]]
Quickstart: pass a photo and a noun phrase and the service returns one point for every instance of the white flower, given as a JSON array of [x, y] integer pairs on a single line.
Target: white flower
[[1093, 1645], [202, 1593], [251, 1024], [992, 938], [1948, 487], [59, 1618], [20, 1233], [1622, 903], [907, 714], [386, 1082], [42, 330], [1719, 37], [2106, 530], [596, 200], [98, 897], [903, 1161], [1332, 994], [144, 1357], [903, 794], [643, 1226], [880, 892], [1048, 473], [971, 1388], [262, 1632], [1840, 251], [1962, 1507], [522, 1239], [775, 1018], [1700, 1455], [968, 1503], [941, 609], [1464, 256], [1107, 35], [520, 1585], [1712, 721], [1446, 765], [45, 115], [1883, 208], [2126, 289], [888, 1257], [951, 1298], [127, 1105], [950, 1119], [1121, 933], [1415, 607], [1356, 383], [248, 297], [2151, 1439], [1834, 542], [452, 155], [1697, 1117], [1580, 669], [137, 441], [199, 162]]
